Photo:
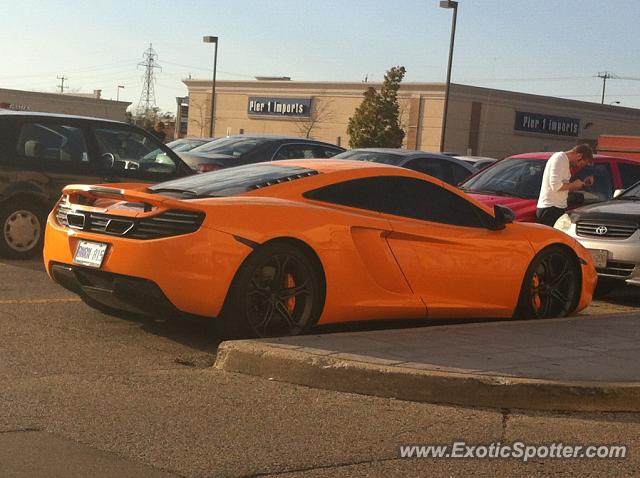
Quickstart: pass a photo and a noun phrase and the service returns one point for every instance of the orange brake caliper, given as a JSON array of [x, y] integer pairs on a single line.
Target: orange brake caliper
[[535, 282], [291, 301]]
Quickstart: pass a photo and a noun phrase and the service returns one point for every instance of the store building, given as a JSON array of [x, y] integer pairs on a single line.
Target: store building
[[480, 121], [90, 104]]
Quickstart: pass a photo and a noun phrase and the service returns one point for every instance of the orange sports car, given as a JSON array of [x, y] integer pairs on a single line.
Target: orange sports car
[[276, 248]]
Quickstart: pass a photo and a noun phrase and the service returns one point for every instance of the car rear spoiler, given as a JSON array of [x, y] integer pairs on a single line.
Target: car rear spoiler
[[150, 201]]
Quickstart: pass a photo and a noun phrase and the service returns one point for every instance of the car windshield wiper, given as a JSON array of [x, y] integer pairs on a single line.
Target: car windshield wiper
[[631, 197], [494, 192]]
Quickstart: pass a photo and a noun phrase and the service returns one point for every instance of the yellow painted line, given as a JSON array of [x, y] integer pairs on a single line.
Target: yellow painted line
[[39, 301]]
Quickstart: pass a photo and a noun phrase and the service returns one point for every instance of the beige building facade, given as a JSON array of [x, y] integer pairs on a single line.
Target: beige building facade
[[480, 121], [81, 105]]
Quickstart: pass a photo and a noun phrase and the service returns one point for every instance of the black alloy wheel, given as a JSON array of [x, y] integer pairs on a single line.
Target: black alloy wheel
[[276, 292], [551, 286]]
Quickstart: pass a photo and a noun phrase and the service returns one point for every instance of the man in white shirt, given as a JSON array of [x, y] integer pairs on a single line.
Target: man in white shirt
[[556, 182]]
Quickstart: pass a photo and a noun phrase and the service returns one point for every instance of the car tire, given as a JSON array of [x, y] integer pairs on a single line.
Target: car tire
[[277, 291], [606, 286], [551, 286], [23, 224]]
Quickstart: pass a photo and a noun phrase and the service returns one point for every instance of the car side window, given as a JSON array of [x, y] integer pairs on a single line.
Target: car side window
[[433, 167], [459, 174], [295, 151], [602, 188], [403, 196], [53, 142], [630, 174], [127, 150], [322, 152]]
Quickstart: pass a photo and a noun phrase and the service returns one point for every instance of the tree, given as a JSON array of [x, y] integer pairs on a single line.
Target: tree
[[320, 113], [375, 123]]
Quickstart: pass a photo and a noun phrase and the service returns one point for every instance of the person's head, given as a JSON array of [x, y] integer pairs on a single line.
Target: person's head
[[581, 155], [159, 126]]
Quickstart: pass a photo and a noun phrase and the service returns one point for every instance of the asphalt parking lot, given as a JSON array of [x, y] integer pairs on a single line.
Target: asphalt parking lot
[[88, 394]]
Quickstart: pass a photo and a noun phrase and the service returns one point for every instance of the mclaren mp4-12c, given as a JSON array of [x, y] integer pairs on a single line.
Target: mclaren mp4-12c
[[277, 248]]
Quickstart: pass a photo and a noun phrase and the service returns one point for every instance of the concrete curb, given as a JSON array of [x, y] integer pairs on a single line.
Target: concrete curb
[[310, 367]]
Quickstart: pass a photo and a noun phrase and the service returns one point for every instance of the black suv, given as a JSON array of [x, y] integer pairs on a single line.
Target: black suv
[[40, 153], [246, 149]]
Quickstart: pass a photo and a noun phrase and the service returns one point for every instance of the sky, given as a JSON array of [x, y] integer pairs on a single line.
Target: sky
[[547, 47]]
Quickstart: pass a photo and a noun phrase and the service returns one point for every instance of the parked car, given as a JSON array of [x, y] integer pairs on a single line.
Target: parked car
[[515, 182], [478, 162], [247, 149], [611, 232], [450, 170], [187, 144], [40, 153], [367, 244]]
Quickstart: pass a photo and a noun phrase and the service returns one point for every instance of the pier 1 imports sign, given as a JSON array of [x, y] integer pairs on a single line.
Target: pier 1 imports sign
[[547, 124]]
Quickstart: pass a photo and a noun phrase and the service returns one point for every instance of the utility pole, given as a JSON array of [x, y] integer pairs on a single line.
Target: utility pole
[[148, 96], [61, 85], [605, 75]]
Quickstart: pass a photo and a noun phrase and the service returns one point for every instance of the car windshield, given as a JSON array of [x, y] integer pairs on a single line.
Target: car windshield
[[513, 177], [232, 181], [632, 193], [371, 156], [234, 146]]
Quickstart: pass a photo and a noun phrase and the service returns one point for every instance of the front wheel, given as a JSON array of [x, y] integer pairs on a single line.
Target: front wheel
[[277, 291], [551, 286]]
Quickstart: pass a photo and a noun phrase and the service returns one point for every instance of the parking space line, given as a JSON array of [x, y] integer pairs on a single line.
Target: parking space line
[[39, 301]]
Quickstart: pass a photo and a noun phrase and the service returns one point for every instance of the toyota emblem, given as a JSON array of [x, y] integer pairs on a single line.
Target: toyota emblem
[[601, 230]]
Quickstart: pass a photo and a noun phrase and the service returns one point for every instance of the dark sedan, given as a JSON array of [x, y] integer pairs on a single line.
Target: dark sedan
[[246, 149], [450, 170]]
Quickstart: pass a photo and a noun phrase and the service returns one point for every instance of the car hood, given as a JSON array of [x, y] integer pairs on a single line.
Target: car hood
[[616, 209], [524, 208]]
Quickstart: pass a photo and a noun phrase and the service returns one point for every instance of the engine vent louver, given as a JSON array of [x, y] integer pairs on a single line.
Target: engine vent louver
[[285, 179]]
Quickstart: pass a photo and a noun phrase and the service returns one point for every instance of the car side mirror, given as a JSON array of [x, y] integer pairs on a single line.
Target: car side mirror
[[504, 215], [617, 192], [107, 160], [575, 199]]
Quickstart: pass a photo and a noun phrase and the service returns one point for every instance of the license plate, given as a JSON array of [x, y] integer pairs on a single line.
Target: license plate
[[90, 253], [600, 257]]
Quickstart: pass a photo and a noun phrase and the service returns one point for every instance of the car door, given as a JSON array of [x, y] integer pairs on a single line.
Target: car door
[[448, 253], [130, 154], [50, 153]]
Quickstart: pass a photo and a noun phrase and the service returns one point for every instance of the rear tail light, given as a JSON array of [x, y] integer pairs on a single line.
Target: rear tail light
[[205, 168]]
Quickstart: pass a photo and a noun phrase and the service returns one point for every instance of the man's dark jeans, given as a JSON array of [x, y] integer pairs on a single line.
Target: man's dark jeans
[[549, 215]]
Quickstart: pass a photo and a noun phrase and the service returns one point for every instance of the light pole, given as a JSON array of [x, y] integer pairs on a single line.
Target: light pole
[[448, 4], [118, 92], [211, 39]]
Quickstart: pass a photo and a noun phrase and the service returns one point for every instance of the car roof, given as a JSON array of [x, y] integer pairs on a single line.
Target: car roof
[[403, 152], [38, 114], [547, 155], [276, 137], [331, 165]]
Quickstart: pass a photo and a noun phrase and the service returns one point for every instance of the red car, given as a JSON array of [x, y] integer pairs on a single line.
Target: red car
[[515, 182]]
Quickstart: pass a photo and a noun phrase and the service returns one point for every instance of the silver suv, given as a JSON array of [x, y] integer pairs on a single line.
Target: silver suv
[[611, 232]]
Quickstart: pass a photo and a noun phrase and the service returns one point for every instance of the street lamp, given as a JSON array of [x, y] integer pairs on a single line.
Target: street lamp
[[118, 92], [454, 5], [210, 39]]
